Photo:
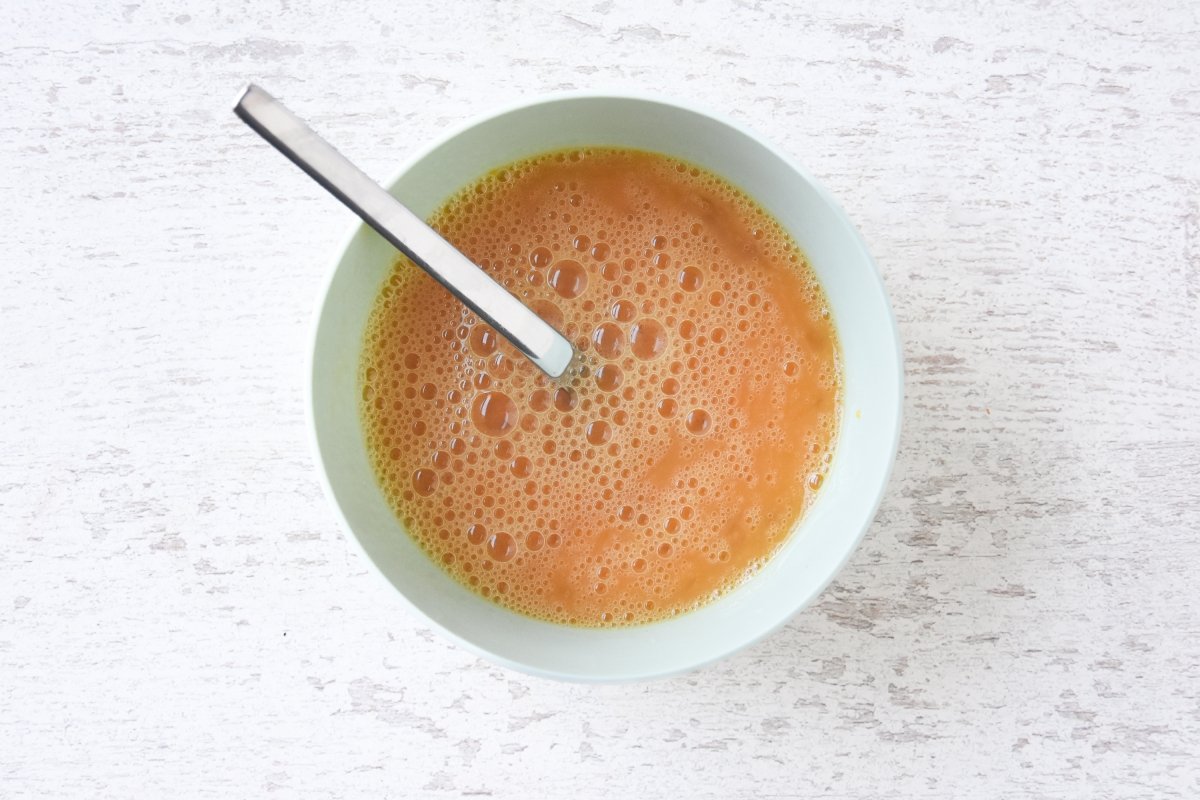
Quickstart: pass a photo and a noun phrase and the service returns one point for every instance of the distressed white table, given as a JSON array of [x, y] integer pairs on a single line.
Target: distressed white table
[[179, 614]]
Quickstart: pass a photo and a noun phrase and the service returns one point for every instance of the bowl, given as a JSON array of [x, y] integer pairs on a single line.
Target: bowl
[[826, 535]]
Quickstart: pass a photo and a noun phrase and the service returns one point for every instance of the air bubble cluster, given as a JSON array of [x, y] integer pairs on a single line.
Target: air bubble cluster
[[682, 446]]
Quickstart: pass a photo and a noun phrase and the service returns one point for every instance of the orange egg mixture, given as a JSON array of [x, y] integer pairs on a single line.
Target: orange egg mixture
[[681, 448]]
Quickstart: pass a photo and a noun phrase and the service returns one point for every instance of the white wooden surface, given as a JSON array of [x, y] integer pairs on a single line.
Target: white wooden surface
[[180, 616]]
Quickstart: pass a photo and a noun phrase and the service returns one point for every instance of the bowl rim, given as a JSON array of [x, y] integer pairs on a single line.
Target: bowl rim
[[550, 98]]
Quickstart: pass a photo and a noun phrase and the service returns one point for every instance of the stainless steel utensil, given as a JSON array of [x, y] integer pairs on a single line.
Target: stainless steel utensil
[[511, 318]]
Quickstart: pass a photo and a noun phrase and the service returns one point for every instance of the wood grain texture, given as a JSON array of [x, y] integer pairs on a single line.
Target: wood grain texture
[[180, 616]]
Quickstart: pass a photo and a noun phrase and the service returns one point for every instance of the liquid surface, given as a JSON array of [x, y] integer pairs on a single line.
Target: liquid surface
[[678, 452]]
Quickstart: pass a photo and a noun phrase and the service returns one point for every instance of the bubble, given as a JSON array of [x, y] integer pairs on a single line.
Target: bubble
[[599, 432], [716, 299], [568, 278], [687, 329], [483, 340], [667, 407], [425, 481], [504, 449], [609, 377], [600, 251], [476, 534], [534, 541], [565, 399], [647, 339], [494, 413], [815, 480], [501, 546], [791, 369], [670, 386], [698, 422], [623, 311], [608, 339], [521, 467]]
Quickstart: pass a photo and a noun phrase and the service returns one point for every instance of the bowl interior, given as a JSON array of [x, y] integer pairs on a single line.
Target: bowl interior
[[870, 416]]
